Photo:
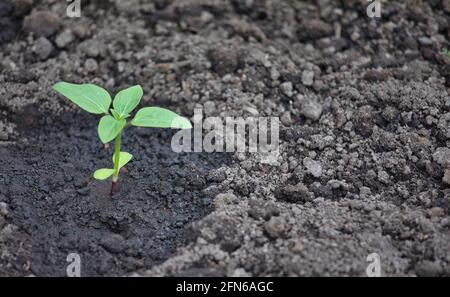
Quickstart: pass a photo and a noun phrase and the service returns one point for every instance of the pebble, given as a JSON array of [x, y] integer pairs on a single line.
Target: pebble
[[64, 39], [42, 23], [90, 48], [209, 108], [383, 177], [308, 78], [425, 41], [224, 199], [43, 48], [113, 243], [3, 208], [287, 89], [446, 178], [311, 109], [442, 155], [286, 119], [223, 61], [274, 74], [91, 65], [313, 167], [275, 227]]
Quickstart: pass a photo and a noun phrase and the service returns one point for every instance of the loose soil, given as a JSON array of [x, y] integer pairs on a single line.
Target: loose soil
[[364, 159]]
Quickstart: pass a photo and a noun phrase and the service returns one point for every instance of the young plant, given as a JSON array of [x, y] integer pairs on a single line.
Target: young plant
[[97, 100]]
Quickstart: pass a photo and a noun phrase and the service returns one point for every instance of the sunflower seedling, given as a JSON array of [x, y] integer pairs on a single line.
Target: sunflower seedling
[[97, 100]]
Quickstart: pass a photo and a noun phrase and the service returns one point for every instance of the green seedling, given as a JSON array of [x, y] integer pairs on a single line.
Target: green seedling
[[97, 100]]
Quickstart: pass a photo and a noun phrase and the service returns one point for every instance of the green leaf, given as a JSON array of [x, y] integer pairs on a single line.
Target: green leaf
[[104, 173], [124, 158], [158, 117], [127, 100], [109, 128], [89, 97], [115, 114]]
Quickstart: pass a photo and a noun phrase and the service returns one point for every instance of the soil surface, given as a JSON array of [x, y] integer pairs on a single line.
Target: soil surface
[[364, 159]]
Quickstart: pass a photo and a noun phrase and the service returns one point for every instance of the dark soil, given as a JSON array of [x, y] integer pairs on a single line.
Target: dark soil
[[46, 179], [364, 159]]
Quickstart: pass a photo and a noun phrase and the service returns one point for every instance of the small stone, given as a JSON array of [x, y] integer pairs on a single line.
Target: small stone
[[311, 109], [91, 65], [275, 227], [308, 78], [446, 178], [426, 41], [296, 247], [436, 212], [90, 48], [3, 209], [113, 243], [209, 108], [221, 200], [223, 61], [216, 175], [383, 177], [240, 272], [286, 119], [314, 29], [287, 89], [64, 39], [42, 23], [442, 156], [43, 48], [274, 74], [298, 193], [313, 167]]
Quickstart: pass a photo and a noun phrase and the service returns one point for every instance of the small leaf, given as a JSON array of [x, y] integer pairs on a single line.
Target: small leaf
[[158, 117], [109, 128], [127, 100], [104, 173], [89, 97], [124, 158], [115, 114]]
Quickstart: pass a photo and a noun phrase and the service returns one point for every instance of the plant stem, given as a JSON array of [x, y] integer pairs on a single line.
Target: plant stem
[[115, 177]]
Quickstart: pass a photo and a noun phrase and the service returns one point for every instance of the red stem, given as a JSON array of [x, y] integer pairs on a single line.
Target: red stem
[[113, 188]]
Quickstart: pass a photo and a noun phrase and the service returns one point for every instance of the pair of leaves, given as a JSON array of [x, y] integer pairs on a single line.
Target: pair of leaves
[[97, 100], [124, 102], [104, 173]]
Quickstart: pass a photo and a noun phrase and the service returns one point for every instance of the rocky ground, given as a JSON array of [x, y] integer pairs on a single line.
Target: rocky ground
[[364, 160]]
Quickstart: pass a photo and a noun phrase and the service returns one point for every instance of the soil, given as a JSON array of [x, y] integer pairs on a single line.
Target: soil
[[47, 183], [364, 160]]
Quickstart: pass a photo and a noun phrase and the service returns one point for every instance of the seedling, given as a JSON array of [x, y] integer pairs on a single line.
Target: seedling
[[446, 52], [97, 100]]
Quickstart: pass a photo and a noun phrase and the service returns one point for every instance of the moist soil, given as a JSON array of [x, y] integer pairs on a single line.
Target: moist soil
[[47, 182], [364, 159]]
